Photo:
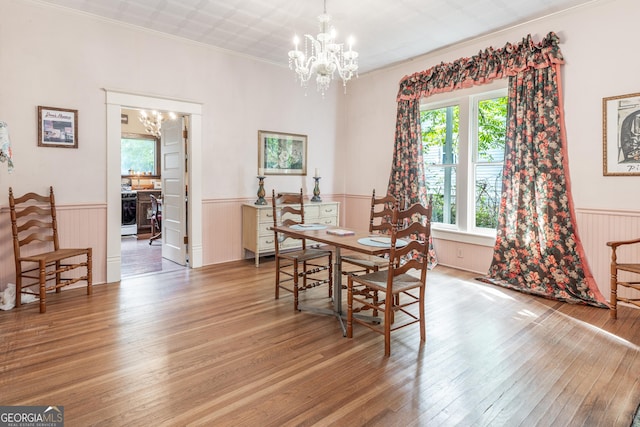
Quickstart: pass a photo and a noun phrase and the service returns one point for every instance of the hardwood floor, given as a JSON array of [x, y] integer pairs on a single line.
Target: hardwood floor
[[138, 257], [212, 347]]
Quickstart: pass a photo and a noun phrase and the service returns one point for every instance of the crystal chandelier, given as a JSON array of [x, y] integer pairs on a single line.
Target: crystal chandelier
[[152, 123], [326, 57]]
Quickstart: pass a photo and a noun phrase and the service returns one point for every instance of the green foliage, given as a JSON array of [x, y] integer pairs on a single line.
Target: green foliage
[[138, 155], [434, 127], [492, 127]]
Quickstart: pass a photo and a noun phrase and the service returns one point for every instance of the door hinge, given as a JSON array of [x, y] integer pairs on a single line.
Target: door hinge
[[185, 134], [186, 240]]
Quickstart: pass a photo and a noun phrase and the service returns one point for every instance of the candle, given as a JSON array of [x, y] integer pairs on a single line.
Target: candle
[[260, 171], [317, 173]]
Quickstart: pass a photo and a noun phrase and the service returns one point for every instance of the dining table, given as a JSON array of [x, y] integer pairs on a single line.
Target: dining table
[[339, 238]]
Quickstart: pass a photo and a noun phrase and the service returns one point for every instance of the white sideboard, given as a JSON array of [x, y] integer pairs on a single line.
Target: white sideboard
[[257, 237]]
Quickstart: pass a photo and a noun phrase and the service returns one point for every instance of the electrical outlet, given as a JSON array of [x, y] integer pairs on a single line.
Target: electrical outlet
[[459, 253]]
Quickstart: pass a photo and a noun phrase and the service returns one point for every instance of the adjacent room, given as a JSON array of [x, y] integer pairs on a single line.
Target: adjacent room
[[320, 213]]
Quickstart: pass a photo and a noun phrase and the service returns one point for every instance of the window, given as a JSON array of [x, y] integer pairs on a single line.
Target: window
[[463, 149], [139, 154]]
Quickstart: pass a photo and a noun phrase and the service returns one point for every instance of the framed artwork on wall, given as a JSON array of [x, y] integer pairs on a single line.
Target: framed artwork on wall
[[621, 135], [281, 153], [57, 127]]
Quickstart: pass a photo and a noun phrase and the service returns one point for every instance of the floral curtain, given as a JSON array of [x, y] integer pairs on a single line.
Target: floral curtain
[[406, 181], [537, 247]]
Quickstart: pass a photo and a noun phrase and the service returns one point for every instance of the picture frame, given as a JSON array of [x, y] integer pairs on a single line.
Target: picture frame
[[621, 135], [57, 127], [281, 153]]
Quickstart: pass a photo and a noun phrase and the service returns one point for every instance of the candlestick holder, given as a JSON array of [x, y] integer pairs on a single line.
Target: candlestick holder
[[261, 200], [316, 190]]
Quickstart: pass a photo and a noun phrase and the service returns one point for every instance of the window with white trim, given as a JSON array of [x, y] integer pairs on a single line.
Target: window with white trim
[[463, 149]]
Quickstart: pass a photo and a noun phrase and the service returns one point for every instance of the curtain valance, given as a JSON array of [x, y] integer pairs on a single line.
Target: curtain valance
[[482, 68]]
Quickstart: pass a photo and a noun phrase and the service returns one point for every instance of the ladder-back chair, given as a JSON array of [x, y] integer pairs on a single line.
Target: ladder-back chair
[[39, 259], [379, 223], [303, 263], [409, 251], [631, 270]]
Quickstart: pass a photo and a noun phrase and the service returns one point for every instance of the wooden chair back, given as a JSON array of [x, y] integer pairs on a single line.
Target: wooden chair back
[[381, 213], [288, 210], [416, 230], [34, 223]]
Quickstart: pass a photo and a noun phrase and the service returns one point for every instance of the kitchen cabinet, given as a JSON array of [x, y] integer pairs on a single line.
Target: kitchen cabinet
[[257, 236]]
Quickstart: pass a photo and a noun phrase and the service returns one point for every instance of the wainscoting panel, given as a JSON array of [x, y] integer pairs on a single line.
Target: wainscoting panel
[[596, 228], [222, 230]]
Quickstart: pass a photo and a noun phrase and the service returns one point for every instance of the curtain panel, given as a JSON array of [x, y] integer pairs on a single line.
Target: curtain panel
[[537, 248]]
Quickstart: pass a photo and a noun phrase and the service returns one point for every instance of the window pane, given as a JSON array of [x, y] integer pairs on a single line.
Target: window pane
[[488, 192], [440, 135], [489, 147], [440, 151], [441, 186], [138, 155], [492, 129]]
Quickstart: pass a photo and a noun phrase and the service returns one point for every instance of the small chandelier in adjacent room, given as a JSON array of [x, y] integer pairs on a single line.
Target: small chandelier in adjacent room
[[152, 123], [324, 57]]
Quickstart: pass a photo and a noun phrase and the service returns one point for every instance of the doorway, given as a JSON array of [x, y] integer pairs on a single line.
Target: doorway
[[116, 101], [141, 250]]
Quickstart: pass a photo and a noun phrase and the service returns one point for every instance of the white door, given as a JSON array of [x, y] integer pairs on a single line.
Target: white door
[[173, 192]]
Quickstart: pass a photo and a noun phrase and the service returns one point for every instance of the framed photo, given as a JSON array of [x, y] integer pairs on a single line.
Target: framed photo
[[57, 127], [621, 135], [281, 153]]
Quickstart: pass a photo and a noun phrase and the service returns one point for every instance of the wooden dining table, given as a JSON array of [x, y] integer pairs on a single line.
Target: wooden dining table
[[339, 242]]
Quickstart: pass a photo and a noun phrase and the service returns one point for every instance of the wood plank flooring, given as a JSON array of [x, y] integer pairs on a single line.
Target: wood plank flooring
[[138, 257], [212, 347]]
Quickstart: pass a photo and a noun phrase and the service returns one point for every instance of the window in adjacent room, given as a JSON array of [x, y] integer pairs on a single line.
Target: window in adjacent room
[[463, 149], [139, 155]]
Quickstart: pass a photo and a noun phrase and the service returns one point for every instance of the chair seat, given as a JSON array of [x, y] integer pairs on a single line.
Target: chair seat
[[633, 268], [52, 256], [378, 281], [305, 255]]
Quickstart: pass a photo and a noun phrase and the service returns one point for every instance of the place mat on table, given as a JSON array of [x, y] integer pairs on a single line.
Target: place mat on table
[[381, 242], [308, 227]]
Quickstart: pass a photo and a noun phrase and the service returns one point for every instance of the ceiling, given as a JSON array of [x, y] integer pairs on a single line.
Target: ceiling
[[385, 31]]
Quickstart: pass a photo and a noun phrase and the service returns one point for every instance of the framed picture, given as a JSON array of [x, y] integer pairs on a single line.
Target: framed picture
[[57, 127], [621, 135], [281, 153]]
